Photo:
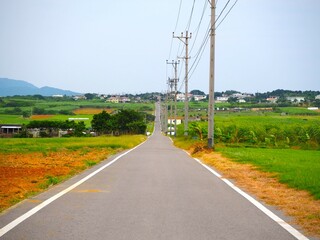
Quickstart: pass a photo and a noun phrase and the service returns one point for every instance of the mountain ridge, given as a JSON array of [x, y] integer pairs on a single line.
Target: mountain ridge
[[12, 87]]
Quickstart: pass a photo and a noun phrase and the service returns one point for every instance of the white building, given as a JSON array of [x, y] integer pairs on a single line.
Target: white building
[[199, 97], [223, 99], [295, 99], [272, 99]]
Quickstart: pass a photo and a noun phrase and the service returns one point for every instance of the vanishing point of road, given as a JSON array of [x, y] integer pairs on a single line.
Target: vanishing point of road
[[155, 191]]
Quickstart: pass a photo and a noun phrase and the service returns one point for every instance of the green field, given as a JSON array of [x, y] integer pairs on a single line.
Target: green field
[[261, 131], [298, 168], [23, 145]]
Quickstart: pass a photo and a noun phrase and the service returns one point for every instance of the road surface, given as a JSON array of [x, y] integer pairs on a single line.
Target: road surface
[[156, 191]]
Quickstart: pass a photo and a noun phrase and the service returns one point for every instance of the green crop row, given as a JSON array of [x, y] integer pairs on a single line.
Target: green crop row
[[261, 131]]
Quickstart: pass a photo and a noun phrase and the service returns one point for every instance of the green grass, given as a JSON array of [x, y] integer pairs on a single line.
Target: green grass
[[299, 169], [298, 111], [44, 145], [13, 119]]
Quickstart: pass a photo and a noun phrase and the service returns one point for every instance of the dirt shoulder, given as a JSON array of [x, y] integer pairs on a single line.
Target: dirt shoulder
[[299, 205]]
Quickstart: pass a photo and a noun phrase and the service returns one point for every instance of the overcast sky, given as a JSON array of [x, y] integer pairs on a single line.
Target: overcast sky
[[115, 47]]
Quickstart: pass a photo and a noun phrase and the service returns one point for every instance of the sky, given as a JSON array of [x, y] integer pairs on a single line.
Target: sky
[[116, 47]]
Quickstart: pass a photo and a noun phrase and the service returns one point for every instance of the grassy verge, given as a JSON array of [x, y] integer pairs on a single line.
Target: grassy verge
[[299, 169], [286, 178], [22, 145], [29, 166]]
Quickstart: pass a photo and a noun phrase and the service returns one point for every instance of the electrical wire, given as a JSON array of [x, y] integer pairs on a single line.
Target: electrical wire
[[196, 31], [202, 47], [227, 14], [189, 23], [224, 8], [175, 28]]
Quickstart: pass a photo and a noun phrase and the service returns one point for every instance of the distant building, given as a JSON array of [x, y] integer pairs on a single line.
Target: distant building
[[242, 95], [295, 99], [79, 97], [179, 121], [199, 97], [272, 99], [9, 129], [223, 99], [57, 96], [181, 96], [113, 100], [317, 97], [118, 99]]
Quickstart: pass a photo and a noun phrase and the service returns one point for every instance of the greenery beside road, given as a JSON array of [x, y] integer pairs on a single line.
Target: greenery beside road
[[31, 165], [284, 144], [297, 168]]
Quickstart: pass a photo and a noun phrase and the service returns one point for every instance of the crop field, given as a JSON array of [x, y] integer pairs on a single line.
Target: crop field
[[28, 166], [87, 111], [12, 119], [261, 131], [22, 111]]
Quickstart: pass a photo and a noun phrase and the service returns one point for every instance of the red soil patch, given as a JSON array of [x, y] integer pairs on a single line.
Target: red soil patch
[[24, 174]]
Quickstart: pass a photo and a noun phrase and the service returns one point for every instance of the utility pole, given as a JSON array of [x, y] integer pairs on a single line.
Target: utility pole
[[185, 40], [175, 83], [170, 83], [166, 114], [211, 77]]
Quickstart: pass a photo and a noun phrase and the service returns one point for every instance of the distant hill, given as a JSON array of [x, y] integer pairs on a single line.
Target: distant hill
[[11, 87]]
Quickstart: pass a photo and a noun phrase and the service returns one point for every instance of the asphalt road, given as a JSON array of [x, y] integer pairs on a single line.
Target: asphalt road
[[154, 192]]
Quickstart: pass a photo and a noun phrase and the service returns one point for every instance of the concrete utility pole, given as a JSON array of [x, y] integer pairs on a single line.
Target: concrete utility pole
[[166, 114], [175, 83], [170, 84], [185, 40], [211, 78]]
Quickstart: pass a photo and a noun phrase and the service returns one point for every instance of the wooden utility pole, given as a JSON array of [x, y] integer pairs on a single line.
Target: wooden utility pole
[[211, 77], [185, 40]]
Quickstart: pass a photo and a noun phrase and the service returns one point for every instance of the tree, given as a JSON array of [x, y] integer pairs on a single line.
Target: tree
[[197, 92], [125, 117], [102, 122], [26, 114], [90, 96], [79, 128]]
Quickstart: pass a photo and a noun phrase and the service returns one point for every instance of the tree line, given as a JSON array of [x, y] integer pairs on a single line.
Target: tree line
[[122, 122]]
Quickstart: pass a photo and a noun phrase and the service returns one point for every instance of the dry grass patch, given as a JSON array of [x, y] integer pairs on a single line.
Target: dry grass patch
[[298, 204], [91, 111], [24, 174]]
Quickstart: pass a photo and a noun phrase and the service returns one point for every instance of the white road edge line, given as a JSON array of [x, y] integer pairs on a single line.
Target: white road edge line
[[294, 232], [34, 210]]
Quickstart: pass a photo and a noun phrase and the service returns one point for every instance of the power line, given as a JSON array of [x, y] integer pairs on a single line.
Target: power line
[[188, 25], [175, 28], [202, 47], [198, 27], [225, 6], [227, 13]]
